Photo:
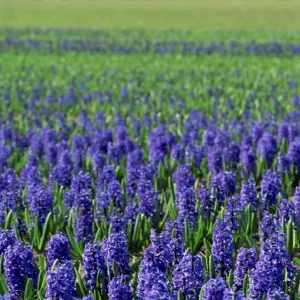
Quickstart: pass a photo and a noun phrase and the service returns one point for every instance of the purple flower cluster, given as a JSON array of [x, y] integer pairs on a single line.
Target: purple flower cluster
[[61, 282], [269, 272], [58, 249], [18, 265], [245, 263], [222, 247], [188, 275], [93, 264]]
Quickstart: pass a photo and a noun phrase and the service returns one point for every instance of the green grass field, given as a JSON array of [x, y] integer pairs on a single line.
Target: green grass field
[[214, 15]]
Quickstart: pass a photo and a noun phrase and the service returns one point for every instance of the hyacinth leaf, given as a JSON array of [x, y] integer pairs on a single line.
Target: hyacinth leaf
[[221, 213], [210, 230], [16, 230], [80, 282], [212, 271], [186, 233], [111, 208], [115, 268], [169, 212], [208, 246], [55, 263], [41, 295], [97, 295], [9, 220], [42, 262], [29, 289], [161, 170], [45, 233], [230, 278], [285, 282], [41, 280], [196, 185], [135, 265], [3, 286], [295, 287], [249, 220], [201, 293], [208, 179], [137, 227], [110, 230], [78, 290], [146, 232], [88, 164], [180, 295], [1, 263], [204, 262], [288, 185], [100, 283], [246, 284], [283, 225], [77, 250], [123, 186], [171, 207], [296, 239], [129, 229], [35, 235], [171, 186], [290, 239], [250, 242], [27, 218], [55, 191], [198, 236], [97, 237], [71, 219]]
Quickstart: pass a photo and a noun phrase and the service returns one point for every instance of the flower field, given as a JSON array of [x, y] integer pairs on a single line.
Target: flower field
[[149, 164]]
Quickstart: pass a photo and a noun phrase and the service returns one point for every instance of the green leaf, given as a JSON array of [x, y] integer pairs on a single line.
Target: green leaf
[[1, 262], [29, 289], [297, 261], [115, 268], [136, 230], [245, 285], [212, 267], [135, 265], [230, 278], [42, 262], [41, 280], [186, 232], [3, 286], [97, 235], [80, 282], [27, 218], [74, 244], [179, 295], [45, 233], [198, 237], [207, 245], [96, 295], [290, 238], [201, 293], [8, 220], [129, 229], [55, 263], [36, 234]]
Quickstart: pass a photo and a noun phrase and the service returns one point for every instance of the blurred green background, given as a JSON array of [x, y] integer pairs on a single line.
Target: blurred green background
[[200, 14]]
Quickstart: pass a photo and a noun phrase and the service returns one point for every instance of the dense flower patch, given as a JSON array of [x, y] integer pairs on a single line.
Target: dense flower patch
[[129, 185], [130, 42]]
